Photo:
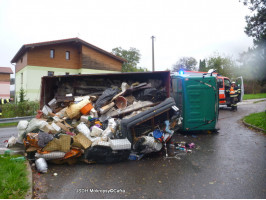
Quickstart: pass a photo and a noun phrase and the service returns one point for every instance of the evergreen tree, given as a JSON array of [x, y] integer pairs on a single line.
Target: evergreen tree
[[202, 66]]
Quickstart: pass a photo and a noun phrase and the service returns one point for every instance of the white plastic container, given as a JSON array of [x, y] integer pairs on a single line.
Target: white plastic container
[[82, 128], [84, 118], [96, 131], [120, 144], [41, 165]]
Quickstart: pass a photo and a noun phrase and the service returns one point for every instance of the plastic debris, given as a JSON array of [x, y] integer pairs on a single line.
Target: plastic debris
[[100, 124], [41, 165]]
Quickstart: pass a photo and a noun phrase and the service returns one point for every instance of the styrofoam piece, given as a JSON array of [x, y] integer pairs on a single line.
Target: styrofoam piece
[[84, 118], [103, 143], [46, 110], [56, 127], [120, 144], [96, 131], [52, 102], [82, 128]]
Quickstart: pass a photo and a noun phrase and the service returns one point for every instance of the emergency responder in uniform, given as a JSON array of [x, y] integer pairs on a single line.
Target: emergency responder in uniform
[[234, 92], [2, 102]]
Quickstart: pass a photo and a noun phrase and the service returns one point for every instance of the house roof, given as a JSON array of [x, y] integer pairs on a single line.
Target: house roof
[[6, 70], [25, 47]]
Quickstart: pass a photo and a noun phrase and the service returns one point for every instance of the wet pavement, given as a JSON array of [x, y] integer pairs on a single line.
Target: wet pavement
[[6, 133], [227, 164]]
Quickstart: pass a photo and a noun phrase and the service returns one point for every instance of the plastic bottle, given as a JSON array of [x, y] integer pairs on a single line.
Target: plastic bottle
[[41, 165], [18, 159]]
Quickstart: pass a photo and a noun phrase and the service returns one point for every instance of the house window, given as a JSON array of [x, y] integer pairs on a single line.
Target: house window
[[67, 55], [67, 73], [21, 60], [21, 77], [52, 52], [50, 73]]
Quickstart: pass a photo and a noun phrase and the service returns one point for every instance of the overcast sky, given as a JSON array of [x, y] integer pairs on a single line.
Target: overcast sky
[[196, 28]]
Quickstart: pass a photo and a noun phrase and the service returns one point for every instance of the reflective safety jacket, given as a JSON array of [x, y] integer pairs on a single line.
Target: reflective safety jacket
[[3, 101], [234, 91]]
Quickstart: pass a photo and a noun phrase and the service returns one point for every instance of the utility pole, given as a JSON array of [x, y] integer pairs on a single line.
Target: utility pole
[[152, 37]]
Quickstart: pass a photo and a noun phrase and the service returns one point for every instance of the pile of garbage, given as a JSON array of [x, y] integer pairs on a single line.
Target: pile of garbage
[[118, 124]]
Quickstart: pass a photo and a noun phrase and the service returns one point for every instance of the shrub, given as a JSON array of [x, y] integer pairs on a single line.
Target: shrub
[[21, 109]]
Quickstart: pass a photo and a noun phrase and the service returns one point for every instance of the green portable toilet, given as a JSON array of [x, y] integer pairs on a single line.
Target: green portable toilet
[[198, 100]]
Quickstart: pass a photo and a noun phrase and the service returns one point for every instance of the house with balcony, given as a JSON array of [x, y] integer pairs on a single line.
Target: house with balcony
[[59, 57]]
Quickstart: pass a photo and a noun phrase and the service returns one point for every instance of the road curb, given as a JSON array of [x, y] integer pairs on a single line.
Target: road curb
[[29, 193], [252, 126]]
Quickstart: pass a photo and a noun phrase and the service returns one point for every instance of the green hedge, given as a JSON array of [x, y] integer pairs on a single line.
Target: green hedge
[[22, 109]]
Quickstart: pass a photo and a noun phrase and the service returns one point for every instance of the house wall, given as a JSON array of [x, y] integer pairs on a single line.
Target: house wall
[[32, 76], [5, 78], [22, 62], [92, 59], [5, 86], [40, 56]]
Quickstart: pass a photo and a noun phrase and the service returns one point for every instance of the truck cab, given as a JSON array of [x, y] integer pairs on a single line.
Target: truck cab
[[224, 83]]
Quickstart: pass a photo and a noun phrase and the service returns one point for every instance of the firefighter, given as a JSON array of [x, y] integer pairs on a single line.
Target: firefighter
[[234, 93], [2, 102]]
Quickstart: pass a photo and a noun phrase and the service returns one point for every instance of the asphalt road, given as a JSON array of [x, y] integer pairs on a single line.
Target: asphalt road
[[228, 164], [6, 133]]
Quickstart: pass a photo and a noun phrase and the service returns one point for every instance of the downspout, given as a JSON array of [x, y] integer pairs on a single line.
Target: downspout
[[15, 96]]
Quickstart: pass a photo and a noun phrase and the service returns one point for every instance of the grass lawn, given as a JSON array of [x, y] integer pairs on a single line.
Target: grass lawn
[[13, 178], [257, 119], [254, 96], [8, 124]]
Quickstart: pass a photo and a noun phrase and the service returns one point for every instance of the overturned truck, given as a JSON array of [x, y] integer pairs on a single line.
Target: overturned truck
[[101, 117]]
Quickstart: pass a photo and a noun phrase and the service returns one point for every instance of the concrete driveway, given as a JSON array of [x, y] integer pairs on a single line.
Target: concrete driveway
[[228, 164]]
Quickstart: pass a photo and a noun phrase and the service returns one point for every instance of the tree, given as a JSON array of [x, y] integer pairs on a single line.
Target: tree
[[22, 95], [132, 56], [202, 66], [185, 63], [256, 24], [223, 65], [253, 61]]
